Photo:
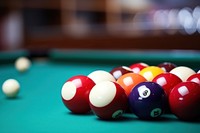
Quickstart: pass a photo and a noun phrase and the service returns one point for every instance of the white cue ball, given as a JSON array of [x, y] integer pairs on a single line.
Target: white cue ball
[[11, 88], [22, 64], [101, 75], [183, 72]]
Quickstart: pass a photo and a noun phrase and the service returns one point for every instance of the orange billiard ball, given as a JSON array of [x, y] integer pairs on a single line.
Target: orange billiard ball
[[129, 81]]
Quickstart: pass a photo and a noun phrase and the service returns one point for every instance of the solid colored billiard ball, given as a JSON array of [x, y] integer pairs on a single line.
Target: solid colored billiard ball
[[75, 93], [150, 72], [11, 88], [167, 66], [137, 67], [183, 72], [101, 75], [184, 101], [119, 71], [22, 64], [194, 78], [167, 81], [108, 100], [129, 81], [147, 100]]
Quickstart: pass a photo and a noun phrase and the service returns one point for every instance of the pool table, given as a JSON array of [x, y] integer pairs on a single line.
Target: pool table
[[39, 108]]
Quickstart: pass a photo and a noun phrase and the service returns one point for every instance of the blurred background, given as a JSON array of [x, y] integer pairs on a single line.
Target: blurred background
[[99, 24]]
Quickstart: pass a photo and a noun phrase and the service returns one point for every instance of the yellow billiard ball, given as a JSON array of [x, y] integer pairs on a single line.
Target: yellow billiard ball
[[150, 72]]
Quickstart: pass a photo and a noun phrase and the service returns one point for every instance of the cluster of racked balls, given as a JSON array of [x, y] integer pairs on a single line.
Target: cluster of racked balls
[[147, 91]]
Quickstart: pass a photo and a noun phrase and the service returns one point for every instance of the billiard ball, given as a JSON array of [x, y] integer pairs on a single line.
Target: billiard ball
[[75, 93], [194, 78], [137, 67], [119, 71], [108, 100], [129, 81], [101, 75], [147, 100], [22, 64], [167, 81], [150, 72], [167, 66], [183, 72], [184, 100], [11, 88]]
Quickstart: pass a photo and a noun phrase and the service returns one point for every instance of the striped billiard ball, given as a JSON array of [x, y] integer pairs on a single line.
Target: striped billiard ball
[[75, 93], [108, 100]]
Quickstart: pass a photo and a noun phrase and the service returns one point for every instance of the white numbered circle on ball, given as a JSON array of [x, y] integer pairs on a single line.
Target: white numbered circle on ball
[[68, 90], [144, 92]]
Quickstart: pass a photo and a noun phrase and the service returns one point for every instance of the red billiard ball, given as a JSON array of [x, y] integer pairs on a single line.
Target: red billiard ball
[[184, 101], [119, 71], [108, 100], [167, 66], [167, 81], [147, 100], [129, 81], [137, 67], [183, 72], [75, 93], [194, 78], [198, 71]]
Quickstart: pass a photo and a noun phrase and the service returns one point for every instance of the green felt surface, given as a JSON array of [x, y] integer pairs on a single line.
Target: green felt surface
[[39, 108]]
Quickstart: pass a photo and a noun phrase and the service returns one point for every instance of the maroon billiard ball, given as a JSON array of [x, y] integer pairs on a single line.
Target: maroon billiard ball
[[75, 93], [167, 66], [194, 78], [119, 71], [184, 101], [108, 100], [137, 67]]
